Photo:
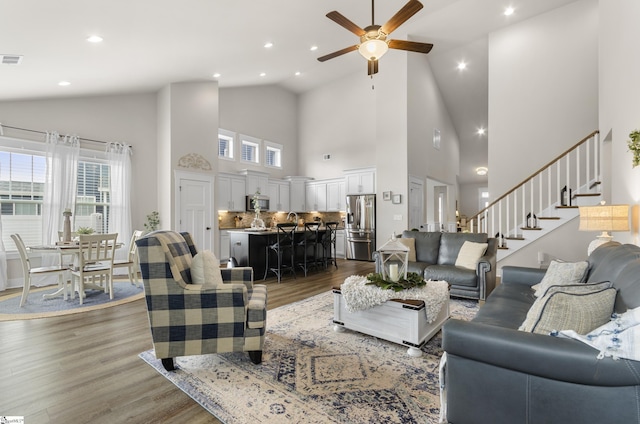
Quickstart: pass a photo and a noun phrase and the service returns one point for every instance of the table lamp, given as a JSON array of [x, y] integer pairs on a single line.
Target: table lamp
[[603, 218]]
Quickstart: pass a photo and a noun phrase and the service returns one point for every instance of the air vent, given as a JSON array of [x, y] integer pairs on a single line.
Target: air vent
[[11, 59]]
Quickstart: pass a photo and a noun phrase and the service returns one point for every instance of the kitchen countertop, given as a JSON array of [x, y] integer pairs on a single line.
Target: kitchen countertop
[[268, 231]]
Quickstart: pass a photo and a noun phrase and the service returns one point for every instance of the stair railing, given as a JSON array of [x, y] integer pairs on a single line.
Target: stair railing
[[537, 197]]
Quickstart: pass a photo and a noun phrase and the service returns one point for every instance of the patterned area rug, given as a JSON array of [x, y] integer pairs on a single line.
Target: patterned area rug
[[311, 374], [37, 307]]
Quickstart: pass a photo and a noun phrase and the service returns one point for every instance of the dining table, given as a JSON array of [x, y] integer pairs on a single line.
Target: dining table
[[63, 249]]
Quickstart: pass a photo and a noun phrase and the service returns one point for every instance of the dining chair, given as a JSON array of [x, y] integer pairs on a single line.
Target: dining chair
[[131, 262], [95, 259], [29, 271], [63, 254]]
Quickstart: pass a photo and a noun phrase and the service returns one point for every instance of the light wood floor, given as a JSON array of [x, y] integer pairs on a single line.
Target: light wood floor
[[84, 368]]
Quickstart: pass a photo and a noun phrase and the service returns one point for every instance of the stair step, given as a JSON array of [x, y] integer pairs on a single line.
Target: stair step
[[530, 228], [566, 207], [549, 217], [595, 183], [503, 248], [514, 238], [586, 195]]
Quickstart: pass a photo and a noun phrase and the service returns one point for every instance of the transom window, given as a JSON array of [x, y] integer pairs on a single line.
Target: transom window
[[272, 154], [226, 144], [250, 149]]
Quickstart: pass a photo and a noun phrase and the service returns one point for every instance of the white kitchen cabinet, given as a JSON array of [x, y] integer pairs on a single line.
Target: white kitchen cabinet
[[341, 244], [297, 193], [336, 196], [225, 245], [361, 181], [256, 182], [279, 195], [316, 196], [231, 192]]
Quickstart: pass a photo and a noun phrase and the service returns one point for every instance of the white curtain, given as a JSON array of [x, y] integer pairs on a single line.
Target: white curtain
[[119, 156], [3, 260], [60, 183], [60, 189]]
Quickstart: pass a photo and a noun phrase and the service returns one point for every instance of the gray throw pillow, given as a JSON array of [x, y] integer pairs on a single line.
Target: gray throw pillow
[[561, 273], [570, 308]]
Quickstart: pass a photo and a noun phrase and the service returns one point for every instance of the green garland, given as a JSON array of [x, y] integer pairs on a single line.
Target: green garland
[[413, 280]]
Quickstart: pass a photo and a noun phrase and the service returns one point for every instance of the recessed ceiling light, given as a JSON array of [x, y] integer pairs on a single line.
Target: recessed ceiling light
[[313, 48], [268, 45], [216, 75], [95, 39], [509, 11], [481, 131], [263, 74], [64, 83], [482, 171], [462, 65], [298, 73]]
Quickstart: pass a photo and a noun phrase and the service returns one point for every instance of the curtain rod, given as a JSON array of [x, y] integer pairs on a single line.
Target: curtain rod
[[2, 126]]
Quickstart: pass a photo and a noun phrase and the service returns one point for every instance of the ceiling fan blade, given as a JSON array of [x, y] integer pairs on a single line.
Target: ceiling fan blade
[[338, 18], [372, 67], [407, 11], [411, 46], [338, 53]]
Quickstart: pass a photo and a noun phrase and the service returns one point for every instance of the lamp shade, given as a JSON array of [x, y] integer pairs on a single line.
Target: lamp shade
[[604, 218], [373, 49]]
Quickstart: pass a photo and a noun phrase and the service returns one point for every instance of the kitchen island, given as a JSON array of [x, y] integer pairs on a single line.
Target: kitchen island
[[249, 247]]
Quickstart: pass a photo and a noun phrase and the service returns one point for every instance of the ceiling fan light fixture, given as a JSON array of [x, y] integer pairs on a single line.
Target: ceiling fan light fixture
[[373, 49]]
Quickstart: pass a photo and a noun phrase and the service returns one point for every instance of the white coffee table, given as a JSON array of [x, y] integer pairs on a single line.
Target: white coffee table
[[398, 321]]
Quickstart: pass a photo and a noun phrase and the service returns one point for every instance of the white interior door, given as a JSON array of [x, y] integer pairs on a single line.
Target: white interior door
[[194, 207]]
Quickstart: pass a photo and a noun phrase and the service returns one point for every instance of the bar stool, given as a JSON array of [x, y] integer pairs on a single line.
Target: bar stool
[[309, 243], [329, 244], [284, 248]]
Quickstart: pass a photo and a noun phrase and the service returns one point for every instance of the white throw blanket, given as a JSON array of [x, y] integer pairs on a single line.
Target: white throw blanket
[[359, 296], [619, 338]]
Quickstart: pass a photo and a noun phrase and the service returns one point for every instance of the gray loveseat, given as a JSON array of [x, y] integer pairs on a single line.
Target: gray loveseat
[[497, 374], [436, 255]]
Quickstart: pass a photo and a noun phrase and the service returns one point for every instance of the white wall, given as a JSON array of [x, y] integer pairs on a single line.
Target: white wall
[[619, 100], [337, 119], [427, 111], [128, 119], [543, 90], [264, 112]]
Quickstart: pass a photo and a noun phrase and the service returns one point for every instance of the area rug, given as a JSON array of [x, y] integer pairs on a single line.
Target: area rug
[[311, 374], [37, 307]]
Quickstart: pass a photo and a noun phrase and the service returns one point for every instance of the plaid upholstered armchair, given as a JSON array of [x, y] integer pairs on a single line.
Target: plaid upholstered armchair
[[195, 319]]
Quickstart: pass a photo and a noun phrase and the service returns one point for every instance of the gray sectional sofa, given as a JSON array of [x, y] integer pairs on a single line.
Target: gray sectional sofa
[[436, 255], [497, 374]]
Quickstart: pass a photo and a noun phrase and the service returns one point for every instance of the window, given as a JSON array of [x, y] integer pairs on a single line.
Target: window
[[22, 186], [226, 144], [484, 197], [272, 154], [250, 149]]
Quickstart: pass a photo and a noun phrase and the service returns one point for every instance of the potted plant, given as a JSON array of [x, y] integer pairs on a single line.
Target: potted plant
[[84, 230], [153, 221], [634, 146]]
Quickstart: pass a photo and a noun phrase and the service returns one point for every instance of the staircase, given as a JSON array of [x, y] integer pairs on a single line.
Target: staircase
[[546, 200]]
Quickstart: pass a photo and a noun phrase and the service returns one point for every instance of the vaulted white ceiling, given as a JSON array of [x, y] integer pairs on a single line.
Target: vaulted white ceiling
[[150, 43]]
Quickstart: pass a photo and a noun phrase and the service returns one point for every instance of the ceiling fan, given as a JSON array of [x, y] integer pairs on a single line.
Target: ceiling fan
[[373, 39]]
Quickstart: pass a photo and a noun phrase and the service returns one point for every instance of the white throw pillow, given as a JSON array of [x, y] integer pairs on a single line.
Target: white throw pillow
[[561, 274], [205, 268], [410, 242], [470, 253]]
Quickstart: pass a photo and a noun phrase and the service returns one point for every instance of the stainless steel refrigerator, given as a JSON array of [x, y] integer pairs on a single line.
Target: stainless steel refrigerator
[[360, 226]]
